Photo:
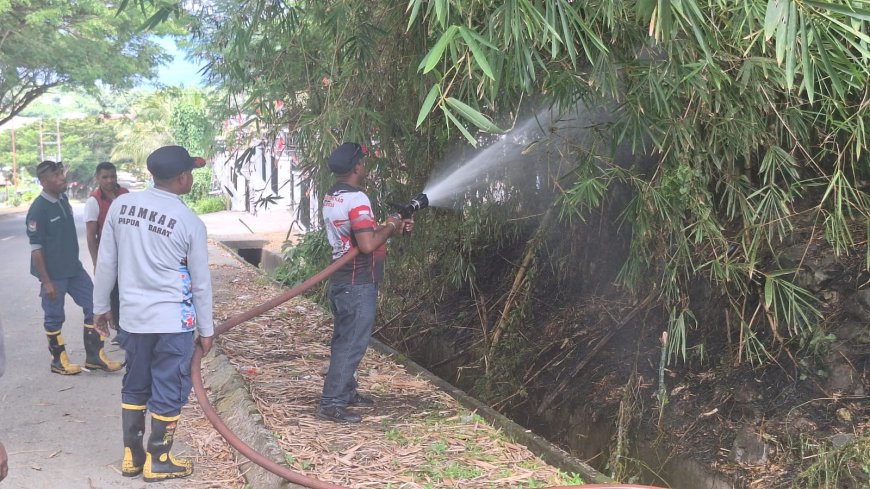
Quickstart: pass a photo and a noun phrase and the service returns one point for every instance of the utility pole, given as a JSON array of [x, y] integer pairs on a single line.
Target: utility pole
[[14, 163], [59, 157], [41, 144]]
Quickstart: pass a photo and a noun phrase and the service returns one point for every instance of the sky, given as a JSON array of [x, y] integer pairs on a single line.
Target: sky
[[179, 71]]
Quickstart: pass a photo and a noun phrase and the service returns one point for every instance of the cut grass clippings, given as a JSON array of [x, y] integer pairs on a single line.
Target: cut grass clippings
[[415, 436]]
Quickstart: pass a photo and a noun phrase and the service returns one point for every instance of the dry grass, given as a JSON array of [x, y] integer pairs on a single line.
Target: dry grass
[[415, 437]]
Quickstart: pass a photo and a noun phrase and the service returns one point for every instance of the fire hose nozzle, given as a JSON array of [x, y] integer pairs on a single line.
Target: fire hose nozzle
[[420, 201]]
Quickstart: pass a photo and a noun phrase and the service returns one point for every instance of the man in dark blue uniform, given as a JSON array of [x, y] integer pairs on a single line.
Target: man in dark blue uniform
[[54, 260]]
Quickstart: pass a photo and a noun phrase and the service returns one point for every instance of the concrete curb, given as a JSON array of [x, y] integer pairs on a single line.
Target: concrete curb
[[233, 402], [240, 414]]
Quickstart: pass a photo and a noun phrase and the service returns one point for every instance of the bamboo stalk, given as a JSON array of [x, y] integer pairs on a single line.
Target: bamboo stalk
[[545, 404], [532, 247]]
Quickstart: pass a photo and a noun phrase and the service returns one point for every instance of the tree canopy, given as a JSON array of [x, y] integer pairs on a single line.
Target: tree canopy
[[732, 113], [692, 139], [86, 43]]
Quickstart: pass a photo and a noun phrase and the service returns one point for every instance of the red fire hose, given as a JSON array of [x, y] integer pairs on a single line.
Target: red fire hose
[[245, 449]]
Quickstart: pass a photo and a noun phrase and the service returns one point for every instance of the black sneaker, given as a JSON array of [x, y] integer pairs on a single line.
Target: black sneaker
[[337, 414], [361, 400]]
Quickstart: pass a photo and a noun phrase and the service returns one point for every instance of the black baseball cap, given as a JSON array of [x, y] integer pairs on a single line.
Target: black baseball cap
[[345, 157], [47, 166], [170, 161]]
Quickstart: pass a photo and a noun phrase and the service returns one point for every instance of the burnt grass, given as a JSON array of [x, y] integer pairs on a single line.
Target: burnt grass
[[711, 395]]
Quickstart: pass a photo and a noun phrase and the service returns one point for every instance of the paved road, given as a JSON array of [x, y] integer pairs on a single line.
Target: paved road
[[60, 432], [65, 432]]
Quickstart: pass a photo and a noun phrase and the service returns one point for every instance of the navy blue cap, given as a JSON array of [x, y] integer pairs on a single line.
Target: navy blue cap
[[345, 157], [170, 161]]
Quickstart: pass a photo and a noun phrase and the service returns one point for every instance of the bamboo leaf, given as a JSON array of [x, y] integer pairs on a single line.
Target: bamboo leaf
[[807, 66], [781, 43], [441, 7], [790, 48], [414, 7], [473, 115], [768, 291], [437, 51], [476, 52], [696, 20], [428, 103], [829, 69], [481, 40], [566, 35], [854, 12], [459, 125], [773, 17], [665, 22]]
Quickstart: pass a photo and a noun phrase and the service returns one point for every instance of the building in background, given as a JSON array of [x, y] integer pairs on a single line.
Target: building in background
[[262, 173]]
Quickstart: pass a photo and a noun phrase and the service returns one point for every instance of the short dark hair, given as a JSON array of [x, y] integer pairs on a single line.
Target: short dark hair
[[104, 165]]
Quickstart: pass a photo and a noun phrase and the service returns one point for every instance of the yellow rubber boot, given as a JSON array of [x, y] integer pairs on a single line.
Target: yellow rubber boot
[[160, 463], [95, 357], [133, 426], [60, 363]]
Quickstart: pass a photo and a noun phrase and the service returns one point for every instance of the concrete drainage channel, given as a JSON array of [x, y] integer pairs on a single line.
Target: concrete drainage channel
[[240, 413], [252, 252]]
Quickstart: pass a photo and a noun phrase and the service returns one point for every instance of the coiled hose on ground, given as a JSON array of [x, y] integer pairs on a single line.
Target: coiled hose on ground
[[245, 449]]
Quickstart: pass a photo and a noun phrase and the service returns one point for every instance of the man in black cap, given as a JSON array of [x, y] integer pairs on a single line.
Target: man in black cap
[[165, 294], [54, 260], [353, 290]]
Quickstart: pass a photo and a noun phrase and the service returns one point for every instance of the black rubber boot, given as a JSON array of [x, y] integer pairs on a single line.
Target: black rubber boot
[[60, 363], [160, 464], [95, 356], [133, 426]]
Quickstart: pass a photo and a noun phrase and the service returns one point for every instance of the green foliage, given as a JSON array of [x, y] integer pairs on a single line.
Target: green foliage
[[191, 124], [305, 259], [202, 180], [396, 437], [739, 119], [198, 198], [845, 466], [571, 478], [191, 127], [210, 204], [83, 143], [55, 103], [85, 44]]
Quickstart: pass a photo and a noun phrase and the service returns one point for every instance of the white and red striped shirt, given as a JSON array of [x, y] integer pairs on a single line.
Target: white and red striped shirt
[[346, 212]]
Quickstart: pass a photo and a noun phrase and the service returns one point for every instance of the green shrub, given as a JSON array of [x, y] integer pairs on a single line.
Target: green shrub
[[209, 204], [311, 255], [202, 178]]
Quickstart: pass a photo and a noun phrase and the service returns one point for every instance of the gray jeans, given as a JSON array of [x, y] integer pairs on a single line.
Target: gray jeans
[[353, 309]]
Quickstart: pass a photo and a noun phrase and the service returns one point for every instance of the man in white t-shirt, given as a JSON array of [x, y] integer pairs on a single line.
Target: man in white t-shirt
[[96, 209]]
